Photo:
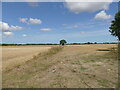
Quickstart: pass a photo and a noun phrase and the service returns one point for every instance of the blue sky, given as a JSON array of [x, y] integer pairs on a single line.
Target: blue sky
[[49, 22]]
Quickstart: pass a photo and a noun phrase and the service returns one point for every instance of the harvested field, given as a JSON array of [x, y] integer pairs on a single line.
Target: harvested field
[[80, 66], [15, 55]]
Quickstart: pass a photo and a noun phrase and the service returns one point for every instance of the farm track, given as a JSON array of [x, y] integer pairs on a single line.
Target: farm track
[[72, 67]]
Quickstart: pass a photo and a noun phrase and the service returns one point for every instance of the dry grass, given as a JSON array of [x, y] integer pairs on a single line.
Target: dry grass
[[53, 50], [68, 67], [17, 55]]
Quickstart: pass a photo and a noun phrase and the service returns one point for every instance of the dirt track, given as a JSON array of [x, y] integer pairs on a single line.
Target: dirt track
[[73, 67]]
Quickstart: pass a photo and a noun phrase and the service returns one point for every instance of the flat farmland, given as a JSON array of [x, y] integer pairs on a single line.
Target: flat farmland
[[15, 55], [71, 66]]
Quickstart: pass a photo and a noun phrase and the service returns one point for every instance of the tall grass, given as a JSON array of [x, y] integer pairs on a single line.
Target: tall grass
[[53, 50], [50, 52]]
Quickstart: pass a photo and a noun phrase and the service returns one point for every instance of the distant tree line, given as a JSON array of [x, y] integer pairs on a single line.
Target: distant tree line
[[91, 43], [25, 44], [59, 44]]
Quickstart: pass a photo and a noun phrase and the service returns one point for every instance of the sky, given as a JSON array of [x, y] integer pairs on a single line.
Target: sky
[[49, 22]]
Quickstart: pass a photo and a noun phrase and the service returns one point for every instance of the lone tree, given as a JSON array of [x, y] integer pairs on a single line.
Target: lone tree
[[62, 42], [115, 26], [115, 30]]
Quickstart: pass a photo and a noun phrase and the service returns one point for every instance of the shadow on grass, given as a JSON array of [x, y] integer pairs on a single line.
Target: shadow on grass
[[103, 50]]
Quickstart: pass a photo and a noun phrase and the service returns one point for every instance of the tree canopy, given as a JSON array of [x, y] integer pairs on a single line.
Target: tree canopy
[[62, 42], [115, 26]]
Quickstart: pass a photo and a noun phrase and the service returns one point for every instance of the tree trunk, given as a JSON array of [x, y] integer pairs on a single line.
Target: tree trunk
[[119, 38], [118, 64], [119, 50]]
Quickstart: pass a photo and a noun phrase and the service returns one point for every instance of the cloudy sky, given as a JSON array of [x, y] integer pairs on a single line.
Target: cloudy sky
[[49, 22]]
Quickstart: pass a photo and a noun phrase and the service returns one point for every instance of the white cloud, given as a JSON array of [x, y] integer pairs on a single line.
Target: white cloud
[[0, 34], [5, 27], [15, 28], [102, 15], [33, 3], [31, 0], [46, 29], [35, 21], [64, 24], [24, 35], [30, 21], [82, 32], [8, 33], [78, 7], [76, 26], [23, 20]]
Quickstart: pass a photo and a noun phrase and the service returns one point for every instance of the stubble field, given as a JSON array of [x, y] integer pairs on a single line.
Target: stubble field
[[15, 55], [71, 66]]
